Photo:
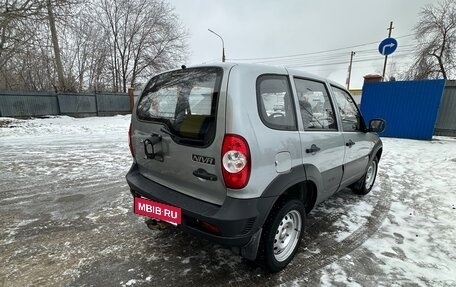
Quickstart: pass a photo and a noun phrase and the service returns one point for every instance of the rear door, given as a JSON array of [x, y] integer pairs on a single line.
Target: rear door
[[322, 142], [177, 132], [357, 143]]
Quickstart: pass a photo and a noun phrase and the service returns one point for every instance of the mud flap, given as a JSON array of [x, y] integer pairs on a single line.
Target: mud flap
[[250, 250]]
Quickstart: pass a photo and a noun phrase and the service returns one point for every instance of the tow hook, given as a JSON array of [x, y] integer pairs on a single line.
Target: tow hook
[[154, 224]]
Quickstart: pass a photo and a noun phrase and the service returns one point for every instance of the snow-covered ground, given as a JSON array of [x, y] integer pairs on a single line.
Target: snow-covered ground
[[65, 219], [416, 243]]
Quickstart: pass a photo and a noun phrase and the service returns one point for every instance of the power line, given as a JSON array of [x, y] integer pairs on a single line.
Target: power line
[[314, 53], [343, 62], [211, 61], [316, 69], [330, 59]]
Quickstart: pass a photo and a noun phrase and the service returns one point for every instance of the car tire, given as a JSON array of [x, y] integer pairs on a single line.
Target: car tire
[[365, 184], [281, 236]]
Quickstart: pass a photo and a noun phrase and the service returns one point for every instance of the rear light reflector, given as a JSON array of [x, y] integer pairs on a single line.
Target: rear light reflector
[[130, 143], [209, 227], [235, 161]]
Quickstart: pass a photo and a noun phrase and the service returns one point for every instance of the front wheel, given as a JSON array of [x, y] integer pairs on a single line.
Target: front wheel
[[281, 237], [365, 184]]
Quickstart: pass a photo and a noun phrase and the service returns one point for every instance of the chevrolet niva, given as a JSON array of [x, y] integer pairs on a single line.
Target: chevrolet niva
[[240, 153]]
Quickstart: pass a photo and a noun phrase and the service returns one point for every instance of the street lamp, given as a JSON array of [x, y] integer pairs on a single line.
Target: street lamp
[[223, 44]]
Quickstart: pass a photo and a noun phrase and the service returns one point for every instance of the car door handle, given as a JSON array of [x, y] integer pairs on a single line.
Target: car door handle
[[202, 173], [350, 143], [313, 149]]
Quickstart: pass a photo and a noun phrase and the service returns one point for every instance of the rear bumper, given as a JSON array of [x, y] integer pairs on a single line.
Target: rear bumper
[[237, 219]]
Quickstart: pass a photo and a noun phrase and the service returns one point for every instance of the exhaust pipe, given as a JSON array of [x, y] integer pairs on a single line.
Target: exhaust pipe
[[154, 224]]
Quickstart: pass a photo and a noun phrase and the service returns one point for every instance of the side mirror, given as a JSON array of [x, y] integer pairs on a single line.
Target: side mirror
[[377, 125]]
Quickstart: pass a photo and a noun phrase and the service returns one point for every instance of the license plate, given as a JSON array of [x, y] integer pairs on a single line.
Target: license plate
[[157, 210]]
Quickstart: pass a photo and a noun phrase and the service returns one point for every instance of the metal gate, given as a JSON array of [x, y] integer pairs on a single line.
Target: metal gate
[[409, 107]]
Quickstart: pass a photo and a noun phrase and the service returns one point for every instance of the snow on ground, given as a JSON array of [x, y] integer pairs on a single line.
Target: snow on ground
[[52, 173], [55, 143], [65, 219], [417, 241]]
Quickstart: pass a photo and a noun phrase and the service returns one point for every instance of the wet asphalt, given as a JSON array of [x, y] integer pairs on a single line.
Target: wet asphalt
[[84, 233], [66, 219]]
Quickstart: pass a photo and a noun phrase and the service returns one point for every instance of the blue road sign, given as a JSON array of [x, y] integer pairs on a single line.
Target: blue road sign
[[387, 46]]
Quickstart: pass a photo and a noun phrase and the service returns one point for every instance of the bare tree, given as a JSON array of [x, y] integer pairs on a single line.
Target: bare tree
[[86, 54], [17, 38], [22, 23], [145, 36], [98, 45], [435, 55], [15, 33]]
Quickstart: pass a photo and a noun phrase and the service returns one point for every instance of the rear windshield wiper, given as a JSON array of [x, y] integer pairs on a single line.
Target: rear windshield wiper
[[180, 138], [171, 134]]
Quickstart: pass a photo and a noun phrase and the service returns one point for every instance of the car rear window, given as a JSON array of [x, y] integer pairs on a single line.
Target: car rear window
[[185, 101], [275, 103]]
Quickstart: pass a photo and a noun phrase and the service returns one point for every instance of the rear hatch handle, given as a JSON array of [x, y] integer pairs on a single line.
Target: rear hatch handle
[[202, 173]]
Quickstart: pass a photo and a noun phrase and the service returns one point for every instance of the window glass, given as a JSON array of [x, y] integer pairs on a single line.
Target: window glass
[[351, 118], [317, 112], [275, 104], [185, 101]]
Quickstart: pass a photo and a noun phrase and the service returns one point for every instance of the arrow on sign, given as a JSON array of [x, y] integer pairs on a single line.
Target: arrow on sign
[[390, 45], [387, 46]]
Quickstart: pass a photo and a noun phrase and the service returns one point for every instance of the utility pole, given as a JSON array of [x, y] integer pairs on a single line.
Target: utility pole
[[386, 57], [350, 69]]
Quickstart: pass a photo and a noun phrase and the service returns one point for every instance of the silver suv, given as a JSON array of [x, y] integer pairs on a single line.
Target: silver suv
[[240, 153]]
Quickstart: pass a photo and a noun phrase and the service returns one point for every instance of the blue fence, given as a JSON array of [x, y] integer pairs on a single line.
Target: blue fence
[[409, 107], [32, 104]]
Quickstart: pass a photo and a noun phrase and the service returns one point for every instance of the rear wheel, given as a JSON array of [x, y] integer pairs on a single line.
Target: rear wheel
[[281, 237], [365, 184]]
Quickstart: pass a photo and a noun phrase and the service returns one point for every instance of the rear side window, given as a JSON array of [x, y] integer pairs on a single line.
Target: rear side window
[[317, 112], [185, 101], [275, 104]]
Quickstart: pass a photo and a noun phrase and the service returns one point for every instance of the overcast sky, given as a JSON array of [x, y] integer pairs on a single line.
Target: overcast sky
[[259, 29]]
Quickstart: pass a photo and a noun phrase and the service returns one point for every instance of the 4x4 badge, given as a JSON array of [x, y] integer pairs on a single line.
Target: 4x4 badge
[[203, 159]]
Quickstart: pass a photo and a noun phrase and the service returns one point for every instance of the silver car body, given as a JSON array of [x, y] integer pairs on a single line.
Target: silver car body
[[280, 159]]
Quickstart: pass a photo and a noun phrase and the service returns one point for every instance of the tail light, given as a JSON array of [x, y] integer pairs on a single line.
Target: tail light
[[235, 161], [130, 143]]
